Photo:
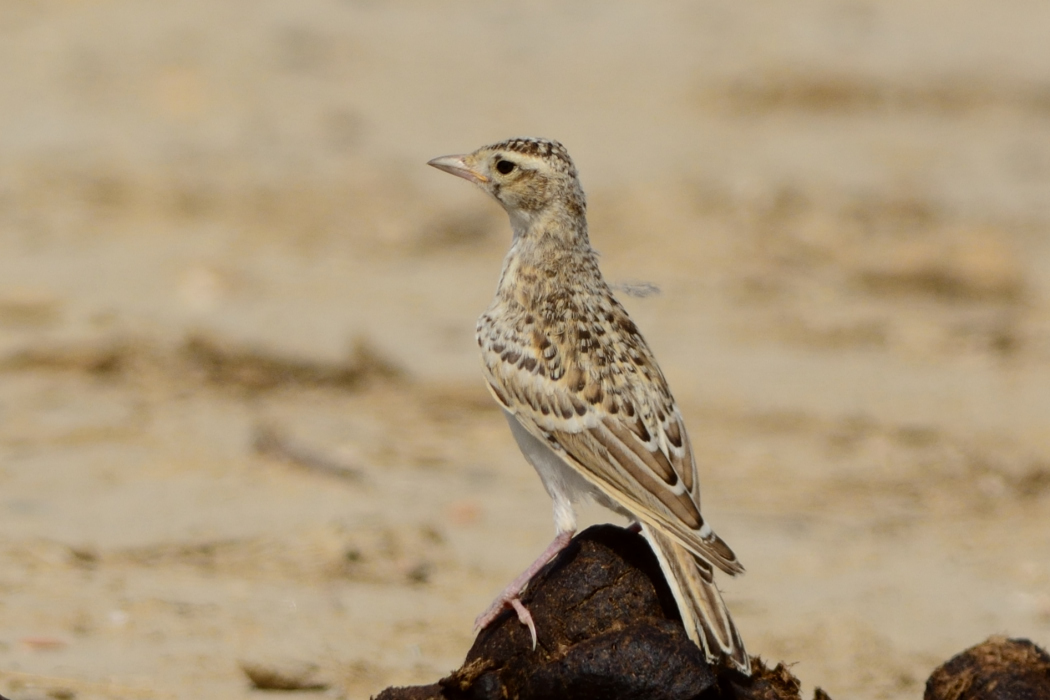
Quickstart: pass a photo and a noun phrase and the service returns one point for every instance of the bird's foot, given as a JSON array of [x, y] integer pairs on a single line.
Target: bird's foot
[[510, 595]]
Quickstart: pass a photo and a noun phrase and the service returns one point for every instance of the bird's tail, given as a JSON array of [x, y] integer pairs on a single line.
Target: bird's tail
[[703, 612]]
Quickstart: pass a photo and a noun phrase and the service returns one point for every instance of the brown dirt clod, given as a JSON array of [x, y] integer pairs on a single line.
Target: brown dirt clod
[[997, 669], [608, 627]]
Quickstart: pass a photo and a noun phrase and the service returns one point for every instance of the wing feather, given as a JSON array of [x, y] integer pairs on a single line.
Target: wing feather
[[608, 413]]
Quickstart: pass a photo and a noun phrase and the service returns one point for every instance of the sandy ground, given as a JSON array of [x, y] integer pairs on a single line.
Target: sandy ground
[[241, 418]]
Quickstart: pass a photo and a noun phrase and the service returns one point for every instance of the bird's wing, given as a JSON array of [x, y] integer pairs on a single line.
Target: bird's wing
[[605, 408]]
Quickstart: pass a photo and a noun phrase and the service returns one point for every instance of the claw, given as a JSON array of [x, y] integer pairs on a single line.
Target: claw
[[525, 618], [501, 604]]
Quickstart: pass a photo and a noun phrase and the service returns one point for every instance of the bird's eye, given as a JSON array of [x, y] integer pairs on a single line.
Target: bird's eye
[[504, 166]]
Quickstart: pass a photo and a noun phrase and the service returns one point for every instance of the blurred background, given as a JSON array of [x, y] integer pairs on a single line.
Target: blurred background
[[242, 425]]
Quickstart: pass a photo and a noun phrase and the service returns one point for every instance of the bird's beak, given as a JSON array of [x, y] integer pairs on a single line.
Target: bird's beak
[[457, 166]]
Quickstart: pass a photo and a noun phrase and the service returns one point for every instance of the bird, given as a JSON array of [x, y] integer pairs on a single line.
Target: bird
[[580, 388]]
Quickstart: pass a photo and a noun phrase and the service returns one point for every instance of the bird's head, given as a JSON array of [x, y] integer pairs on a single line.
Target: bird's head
[[530, 177]]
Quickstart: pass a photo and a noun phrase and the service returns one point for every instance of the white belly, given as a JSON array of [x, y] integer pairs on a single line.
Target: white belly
[[564, 484]]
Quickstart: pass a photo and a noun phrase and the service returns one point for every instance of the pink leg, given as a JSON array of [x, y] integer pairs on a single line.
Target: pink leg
[[509, 596]]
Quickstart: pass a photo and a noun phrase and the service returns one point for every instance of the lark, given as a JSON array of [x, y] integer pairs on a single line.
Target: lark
[[585, 400]]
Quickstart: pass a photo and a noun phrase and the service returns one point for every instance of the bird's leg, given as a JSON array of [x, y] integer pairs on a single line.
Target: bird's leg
[[509, 596]]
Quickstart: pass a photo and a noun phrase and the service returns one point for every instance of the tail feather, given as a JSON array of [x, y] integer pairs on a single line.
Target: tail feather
[[704, 614]]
